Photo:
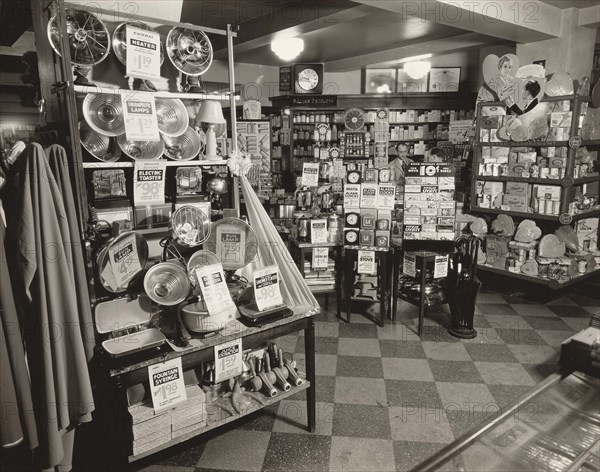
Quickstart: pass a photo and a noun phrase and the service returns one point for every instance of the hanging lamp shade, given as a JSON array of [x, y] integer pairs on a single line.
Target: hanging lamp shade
[[210, 112]]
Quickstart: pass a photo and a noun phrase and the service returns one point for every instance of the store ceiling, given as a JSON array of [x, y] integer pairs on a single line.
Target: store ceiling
[[351, 34]]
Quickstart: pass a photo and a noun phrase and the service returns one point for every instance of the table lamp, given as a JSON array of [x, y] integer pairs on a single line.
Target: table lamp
[[210, 113]]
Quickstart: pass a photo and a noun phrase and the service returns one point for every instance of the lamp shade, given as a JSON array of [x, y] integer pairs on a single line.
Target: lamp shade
[[210, 112]]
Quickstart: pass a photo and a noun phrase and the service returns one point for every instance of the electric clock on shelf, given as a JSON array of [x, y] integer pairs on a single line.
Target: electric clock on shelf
[[354, 119], [334, 152], [308, 78]]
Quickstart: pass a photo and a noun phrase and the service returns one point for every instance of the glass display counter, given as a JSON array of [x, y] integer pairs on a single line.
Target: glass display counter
[[555, 427]]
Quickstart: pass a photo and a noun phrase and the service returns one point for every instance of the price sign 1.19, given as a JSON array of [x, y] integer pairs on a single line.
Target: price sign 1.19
[[143, 53]]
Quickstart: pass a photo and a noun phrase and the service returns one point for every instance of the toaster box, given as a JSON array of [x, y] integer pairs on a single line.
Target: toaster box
[[152, 216]]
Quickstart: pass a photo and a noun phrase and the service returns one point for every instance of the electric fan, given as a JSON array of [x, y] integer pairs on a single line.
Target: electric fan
[[89, 42], [190, 52]]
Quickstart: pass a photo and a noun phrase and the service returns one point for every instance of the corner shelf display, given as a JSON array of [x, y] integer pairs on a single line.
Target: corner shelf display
[[549, 183]]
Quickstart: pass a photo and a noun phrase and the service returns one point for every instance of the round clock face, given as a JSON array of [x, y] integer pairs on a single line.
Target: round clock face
[[308, 79], [382, 224], [353, 177], [354, 119], [351, 236], [352, 219], [382, 114]]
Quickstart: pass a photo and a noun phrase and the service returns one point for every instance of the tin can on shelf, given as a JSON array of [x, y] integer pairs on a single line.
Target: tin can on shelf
[[521, 255], [511, 263], [582, 266]]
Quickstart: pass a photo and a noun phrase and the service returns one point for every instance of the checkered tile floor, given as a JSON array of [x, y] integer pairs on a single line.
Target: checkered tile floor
[[388, 399]]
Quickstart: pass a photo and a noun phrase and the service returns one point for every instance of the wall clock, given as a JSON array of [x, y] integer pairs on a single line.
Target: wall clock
[[308, 78], [334, 152], [354, 119]]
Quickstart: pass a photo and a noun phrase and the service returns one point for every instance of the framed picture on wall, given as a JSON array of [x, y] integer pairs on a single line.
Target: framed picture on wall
[[406, 84], [444, 79], [379, 81]]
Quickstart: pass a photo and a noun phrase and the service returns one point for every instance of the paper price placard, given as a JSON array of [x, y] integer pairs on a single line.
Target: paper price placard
[[216, 294], [139, 112], [318, 231], [228, 360], [366, 262], [231, 244], [352, 196], [266, 288], [386, 194], [124, 261], [310, 174], [166, 384], [149, 182], [409, 266], [440, 269], [143, 53], [320, 258]]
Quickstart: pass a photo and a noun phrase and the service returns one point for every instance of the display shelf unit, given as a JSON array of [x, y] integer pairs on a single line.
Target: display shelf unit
[[553, 284], [566, 183], [129, 164], [85, 89]]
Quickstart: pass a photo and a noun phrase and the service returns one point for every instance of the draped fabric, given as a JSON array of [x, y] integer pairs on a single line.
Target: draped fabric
[[273, 251], [57, 158], [56, 355], [18, 417]]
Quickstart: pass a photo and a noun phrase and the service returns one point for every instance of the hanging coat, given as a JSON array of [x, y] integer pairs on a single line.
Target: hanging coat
[[55, 349], [57, 158], [19, 410]]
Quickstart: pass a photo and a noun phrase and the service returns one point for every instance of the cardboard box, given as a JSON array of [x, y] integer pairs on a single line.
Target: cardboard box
[[547, 192], [493, 188], [367, 237], [368, 218], [152, 216], [497, 245], [515, 202], [517, 188]]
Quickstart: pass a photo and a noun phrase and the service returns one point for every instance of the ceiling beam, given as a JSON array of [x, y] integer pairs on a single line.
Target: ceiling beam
[[262, 30], [516, 21], [390, 57], [590, 16]]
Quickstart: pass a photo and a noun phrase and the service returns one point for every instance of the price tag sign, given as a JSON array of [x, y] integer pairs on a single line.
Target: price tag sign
[[366, 262], [440, 268], [216, 295], [320, 258], [143, 53], [266, 288], [409, 266], [310, 174], [166, 384], [318, 231], [139, 112], [228, 360], [352, 196], [124, 261], [149, 182], [231, 244]]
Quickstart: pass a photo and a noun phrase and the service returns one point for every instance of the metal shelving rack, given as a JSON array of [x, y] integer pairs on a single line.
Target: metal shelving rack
[[568, 183]]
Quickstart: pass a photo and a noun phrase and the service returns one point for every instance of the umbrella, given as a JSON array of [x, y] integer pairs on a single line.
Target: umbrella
[[467, 289]]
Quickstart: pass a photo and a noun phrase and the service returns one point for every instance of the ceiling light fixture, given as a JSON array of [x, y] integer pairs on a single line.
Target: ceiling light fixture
[[287, 48], [417, 69]]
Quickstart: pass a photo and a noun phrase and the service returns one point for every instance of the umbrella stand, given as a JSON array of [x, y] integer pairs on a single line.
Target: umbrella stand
[[467, 289]]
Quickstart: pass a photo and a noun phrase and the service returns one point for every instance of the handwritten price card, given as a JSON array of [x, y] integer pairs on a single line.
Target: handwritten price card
[[266, 288], [216, 295], [166, 384], [228, 360], [143, 53], [124, 261], [149, 182], [139, 112]]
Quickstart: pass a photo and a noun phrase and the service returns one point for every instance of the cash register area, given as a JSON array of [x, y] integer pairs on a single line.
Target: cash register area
[[387, 399]]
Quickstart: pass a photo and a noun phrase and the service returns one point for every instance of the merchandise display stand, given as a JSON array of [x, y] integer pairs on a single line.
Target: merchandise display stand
[[299, 250], [383, 260], [127, 375], [423, 258]]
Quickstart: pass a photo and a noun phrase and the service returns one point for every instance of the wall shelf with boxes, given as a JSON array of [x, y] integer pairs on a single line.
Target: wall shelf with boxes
[[549, 184]]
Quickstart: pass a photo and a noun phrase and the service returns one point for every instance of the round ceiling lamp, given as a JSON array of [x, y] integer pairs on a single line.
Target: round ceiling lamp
[[287, 48], [417, 69]]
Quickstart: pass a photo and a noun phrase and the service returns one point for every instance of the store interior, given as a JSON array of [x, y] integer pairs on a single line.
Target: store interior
[[347, 235]]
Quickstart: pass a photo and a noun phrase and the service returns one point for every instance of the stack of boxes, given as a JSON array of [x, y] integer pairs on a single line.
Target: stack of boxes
[[429, 205], [151, 429], [519, 196], [368, 206], [547, 163], [320, 279]]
